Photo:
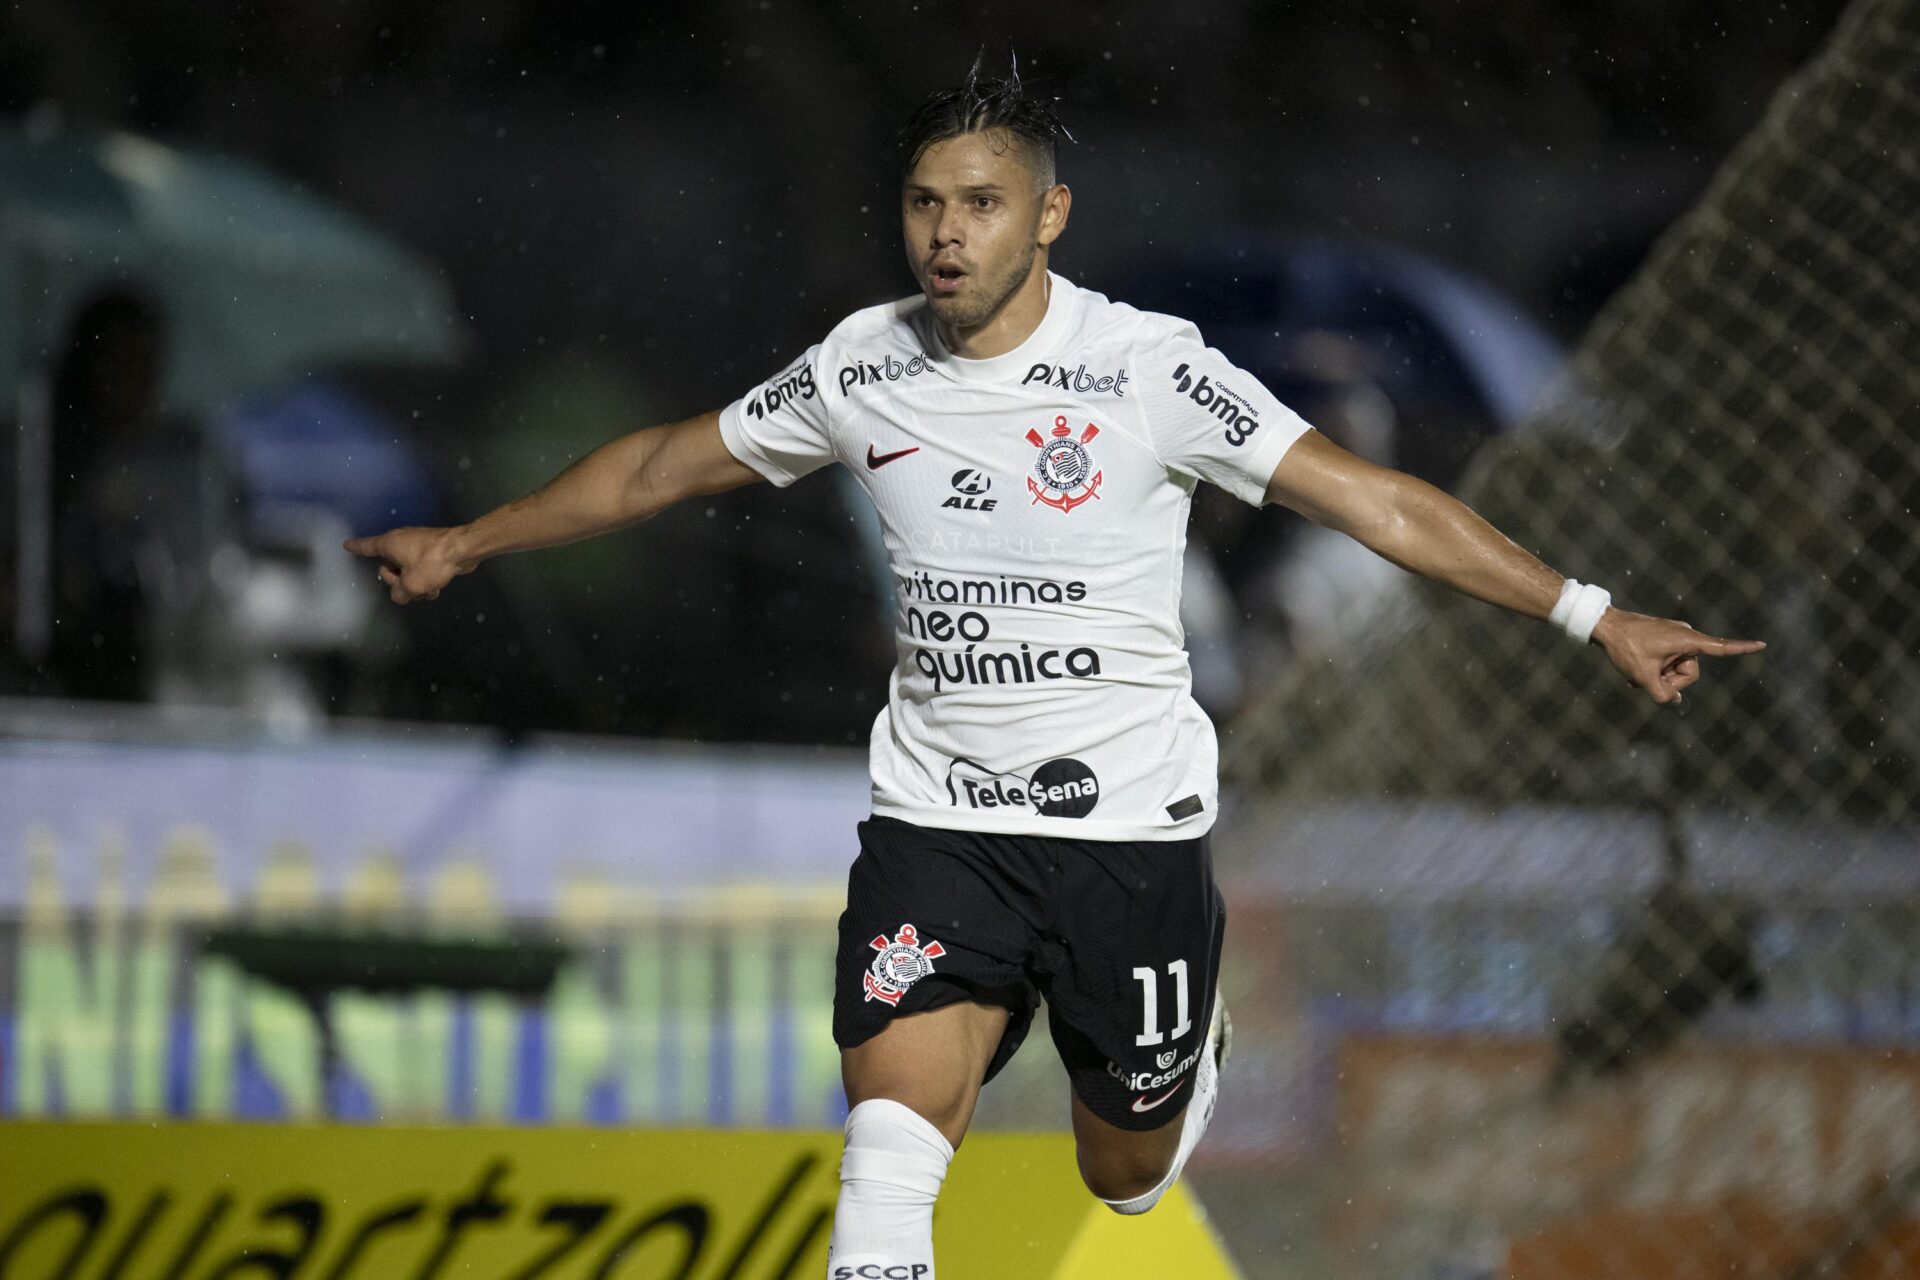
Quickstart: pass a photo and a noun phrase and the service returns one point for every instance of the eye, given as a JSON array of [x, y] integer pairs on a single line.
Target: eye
[[984, 202], [923, 202]]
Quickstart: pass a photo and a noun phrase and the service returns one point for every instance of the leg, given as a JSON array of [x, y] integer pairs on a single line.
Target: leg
[[932, 1063], [912, 1088], [1134, 1013], [930, 999], [1122, 1164], [1130, 1169]]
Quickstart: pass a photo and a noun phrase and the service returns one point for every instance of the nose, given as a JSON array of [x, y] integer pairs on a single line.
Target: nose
[[949, 228]]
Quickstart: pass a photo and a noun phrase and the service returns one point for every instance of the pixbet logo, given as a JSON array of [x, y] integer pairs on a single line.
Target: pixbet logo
[[968, 486], [862, 373], [1058, 375], [1241, 418]]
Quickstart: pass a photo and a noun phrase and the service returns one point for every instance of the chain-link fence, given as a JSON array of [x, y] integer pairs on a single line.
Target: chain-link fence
[[1570, 985]]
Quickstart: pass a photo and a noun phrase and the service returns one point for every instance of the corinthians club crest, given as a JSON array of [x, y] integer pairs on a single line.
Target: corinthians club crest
[[1063, 475], [900, 964]]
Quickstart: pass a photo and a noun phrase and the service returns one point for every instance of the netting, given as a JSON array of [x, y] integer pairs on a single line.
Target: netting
[[1575, 985]]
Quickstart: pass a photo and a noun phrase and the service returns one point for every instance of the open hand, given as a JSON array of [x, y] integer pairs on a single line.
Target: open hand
[[415, 563], [1661, 655]]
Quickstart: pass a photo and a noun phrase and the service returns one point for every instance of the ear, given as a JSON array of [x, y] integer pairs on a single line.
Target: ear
[[1054, 207]]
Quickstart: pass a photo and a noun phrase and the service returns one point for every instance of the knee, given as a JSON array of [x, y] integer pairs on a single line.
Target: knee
[[948, 1111], [1121, 1177], [895, 1149]]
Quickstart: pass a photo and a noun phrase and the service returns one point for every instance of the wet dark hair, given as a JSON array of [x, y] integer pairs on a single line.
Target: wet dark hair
[[983, 104]]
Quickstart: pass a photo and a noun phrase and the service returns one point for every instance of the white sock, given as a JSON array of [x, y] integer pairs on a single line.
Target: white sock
[[1193, 1126], [890, 1175]]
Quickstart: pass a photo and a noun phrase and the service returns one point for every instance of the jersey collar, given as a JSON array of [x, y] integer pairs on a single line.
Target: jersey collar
[[1060, 302]]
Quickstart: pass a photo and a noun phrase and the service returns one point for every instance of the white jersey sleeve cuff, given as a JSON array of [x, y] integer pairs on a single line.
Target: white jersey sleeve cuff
[[1272, 447], [742, 448]]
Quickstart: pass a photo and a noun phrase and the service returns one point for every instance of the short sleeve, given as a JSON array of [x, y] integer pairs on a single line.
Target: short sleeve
[[780, 427], [1212, 419]]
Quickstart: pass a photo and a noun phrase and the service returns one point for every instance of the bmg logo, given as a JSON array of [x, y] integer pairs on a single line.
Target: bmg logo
[[1241, 419]]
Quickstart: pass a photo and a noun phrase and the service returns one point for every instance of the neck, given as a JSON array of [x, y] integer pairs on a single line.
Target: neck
[[1011, 323]]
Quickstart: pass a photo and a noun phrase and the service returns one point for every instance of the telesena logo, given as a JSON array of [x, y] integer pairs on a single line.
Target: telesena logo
[[783, 389], [1065, 379], [865, 373], [1241, 418], [1063, 788]]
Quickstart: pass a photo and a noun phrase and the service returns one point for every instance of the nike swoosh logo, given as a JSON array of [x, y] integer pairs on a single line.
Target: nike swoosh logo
[[1141, 1105], [875, 461]]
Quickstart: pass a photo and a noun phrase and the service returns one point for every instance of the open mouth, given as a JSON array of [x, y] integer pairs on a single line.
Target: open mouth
[[946, 277]]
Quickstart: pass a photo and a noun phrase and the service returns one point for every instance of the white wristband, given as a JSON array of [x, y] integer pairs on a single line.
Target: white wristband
[[1578, 609]]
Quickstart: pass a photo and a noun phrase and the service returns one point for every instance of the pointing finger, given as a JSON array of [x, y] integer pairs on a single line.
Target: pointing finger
[[368, 546], [1723, 648]]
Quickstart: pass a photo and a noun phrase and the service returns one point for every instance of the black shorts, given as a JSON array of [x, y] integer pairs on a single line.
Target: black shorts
[[1121, 938]]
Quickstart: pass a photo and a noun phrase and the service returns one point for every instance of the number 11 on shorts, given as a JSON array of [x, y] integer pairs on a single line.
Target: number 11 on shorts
[[1149, 981]]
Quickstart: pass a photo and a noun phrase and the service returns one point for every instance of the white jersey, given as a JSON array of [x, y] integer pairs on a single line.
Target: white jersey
[[1034, 507]]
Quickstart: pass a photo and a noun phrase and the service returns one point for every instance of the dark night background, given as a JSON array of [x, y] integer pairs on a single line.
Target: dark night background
[[642, 209]]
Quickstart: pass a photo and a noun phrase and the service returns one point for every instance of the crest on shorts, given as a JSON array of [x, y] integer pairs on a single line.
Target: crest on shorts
[[1063, 475], [901, 963]]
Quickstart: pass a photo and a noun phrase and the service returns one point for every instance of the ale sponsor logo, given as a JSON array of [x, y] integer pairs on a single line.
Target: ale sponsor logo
[[969, 491]]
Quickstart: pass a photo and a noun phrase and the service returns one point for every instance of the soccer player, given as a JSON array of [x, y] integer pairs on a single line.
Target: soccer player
[[1043, 782]]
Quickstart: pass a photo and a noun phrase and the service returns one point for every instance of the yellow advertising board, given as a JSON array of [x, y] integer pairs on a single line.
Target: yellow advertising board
[[226, 1201]]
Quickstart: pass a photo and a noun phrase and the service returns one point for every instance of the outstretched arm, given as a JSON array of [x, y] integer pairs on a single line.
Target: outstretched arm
[[1429, 532], [622, 482]]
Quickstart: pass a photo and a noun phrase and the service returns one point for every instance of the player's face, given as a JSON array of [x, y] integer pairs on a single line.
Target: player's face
[[974, 225]]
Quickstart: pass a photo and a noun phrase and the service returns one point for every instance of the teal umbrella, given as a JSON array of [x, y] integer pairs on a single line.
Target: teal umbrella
[[259, 283], [259, 280]]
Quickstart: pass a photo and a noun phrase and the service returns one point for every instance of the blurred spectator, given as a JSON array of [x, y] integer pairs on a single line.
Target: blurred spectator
[[1325, 586], [141, 504]]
